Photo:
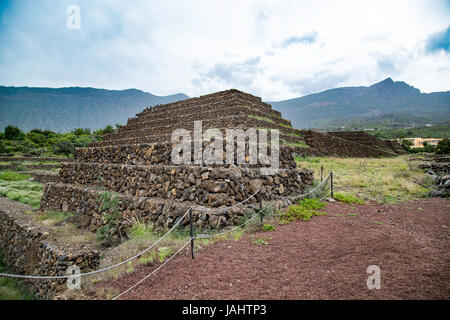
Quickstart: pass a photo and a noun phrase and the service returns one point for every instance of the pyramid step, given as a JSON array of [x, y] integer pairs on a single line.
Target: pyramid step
[[235, 121], [195, 114], [87, 203], [158, 153], [230, 97], [289, 138], [209, 186]]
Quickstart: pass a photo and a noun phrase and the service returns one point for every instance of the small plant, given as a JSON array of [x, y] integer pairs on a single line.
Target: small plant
[[237, 234], [163, 253], [347, 198], [268, 227], [378, 222], [130, 267], [305, 210], [260, 242], [149, 258], [109, 205]]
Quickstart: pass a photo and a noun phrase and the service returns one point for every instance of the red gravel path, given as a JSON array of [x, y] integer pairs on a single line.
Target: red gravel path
[[325, 258]]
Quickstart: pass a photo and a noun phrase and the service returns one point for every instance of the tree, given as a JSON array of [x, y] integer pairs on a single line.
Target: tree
[[109, 129], [81, 131], [13, 133], [443, 146], [64, 147]]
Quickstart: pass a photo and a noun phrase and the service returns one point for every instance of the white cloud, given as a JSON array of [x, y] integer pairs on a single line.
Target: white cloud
[[197, 47]]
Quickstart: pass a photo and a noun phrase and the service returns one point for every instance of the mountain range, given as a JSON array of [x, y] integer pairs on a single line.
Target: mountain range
[[386, 101], [64, 109]]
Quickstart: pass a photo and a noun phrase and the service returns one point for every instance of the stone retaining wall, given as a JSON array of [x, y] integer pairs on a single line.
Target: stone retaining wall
[[157, 153], [27, 251], [86, 202], [213, 187]]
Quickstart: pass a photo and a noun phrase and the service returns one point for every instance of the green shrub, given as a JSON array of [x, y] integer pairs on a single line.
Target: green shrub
[[268, 227], [347, 198], [305, 210], [443, 146], [13, 133], [108, 206], [64, 147]]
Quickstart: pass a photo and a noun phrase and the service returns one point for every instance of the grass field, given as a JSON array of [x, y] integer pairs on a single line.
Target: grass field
[[16, 186], [383, 180]]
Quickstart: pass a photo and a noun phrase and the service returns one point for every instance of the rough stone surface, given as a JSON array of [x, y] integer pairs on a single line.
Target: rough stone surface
[[30, 250]]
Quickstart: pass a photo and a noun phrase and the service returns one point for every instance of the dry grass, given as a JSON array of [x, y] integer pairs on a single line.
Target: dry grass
[[383, 180]]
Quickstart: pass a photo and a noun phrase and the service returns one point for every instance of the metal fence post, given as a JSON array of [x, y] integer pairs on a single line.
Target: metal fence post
[[260, 207], [192, 232], [321, 173], [331, 180]]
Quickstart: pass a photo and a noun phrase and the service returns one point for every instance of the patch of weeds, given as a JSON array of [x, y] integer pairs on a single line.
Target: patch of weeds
[[305, 210], [301, 144], [352, 215], [237, 234], [13, 176], [20, 166], [378, 222], [389, 199], [149, 258], [268, 227], [130, 267], [163, 253], [261, 242], [26, 192], [260, 118], [52, 216], [347, 198]]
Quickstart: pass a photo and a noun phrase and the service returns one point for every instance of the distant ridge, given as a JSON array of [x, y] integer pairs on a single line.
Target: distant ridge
[[388, 98], [64, 109]]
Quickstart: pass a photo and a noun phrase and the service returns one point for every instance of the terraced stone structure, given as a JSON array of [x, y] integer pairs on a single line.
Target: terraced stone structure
[[350, 144], [135, 166]]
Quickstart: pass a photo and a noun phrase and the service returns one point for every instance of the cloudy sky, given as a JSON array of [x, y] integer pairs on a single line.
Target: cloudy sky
[[273, 49]]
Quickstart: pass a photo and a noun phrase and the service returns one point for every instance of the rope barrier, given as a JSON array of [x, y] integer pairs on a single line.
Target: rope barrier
[[100, 270], [164, 236], [226, 208], [203, 236], [8, 275], [153, 272], [301, 196]]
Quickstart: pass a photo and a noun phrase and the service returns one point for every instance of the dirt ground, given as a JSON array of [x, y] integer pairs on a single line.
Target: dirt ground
[[325, 258]]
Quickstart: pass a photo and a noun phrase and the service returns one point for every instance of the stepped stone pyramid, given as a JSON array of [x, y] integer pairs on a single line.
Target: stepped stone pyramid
[[134, 164]]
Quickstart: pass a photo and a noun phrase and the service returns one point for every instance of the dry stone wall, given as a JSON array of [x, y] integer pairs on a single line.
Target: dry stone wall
[[348, 144], [29, 251], [198, 184], [159, 153]]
